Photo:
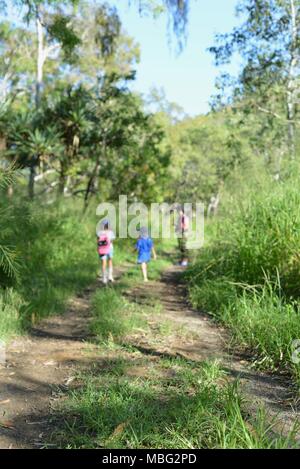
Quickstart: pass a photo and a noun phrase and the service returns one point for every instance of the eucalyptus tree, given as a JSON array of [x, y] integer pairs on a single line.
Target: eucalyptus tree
[[53, 31], [104, 46], [16, 62], [267, 40]]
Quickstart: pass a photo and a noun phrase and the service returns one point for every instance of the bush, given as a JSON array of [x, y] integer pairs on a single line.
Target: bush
[[249, 274], [56, 255]]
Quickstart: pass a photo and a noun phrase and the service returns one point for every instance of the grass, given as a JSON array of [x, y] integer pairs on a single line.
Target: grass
[[56, 254], [10, 305], [56, 257], [114, 316], [190, 408], [132, 400], [248, 275], [138, 401]]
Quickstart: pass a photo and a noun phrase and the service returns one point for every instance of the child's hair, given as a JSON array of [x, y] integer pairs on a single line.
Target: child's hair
[[144, 231], [105, 224]]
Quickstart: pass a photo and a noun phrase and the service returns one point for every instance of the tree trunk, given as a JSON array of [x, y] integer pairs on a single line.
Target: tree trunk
[[10, 191], [291, 85], [40, 59], [31, 181], [90, 184], [91, 181], [38, 87], [62, 180]]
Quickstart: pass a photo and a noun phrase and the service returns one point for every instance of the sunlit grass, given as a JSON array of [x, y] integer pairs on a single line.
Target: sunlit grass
[[248, 275]]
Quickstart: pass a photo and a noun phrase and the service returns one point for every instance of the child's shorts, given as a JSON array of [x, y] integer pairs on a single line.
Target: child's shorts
[[144, 258], [108, 256]]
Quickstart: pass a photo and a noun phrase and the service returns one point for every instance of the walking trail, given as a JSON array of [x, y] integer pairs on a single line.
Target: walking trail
[[44, 363]]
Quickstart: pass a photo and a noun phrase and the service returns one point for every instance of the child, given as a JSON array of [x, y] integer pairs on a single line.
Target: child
[[105, 239], [145, 247], [182, 230]]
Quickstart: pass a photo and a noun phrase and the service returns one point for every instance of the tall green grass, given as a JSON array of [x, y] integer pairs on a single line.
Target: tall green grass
[[248, 275], [56, 256]]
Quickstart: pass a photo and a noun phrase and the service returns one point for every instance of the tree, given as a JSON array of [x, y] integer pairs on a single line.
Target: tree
[[30, 147], [104, 48], [158, 103], [177, 11], [139, 160], [53, 30], [268, 42], [205, 151], [125, 142], [69, 114], [15, 60]]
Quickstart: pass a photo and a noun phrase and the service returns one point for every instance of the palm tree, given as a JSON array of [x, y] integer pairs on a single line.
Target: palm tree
[[70, 115], [32, 148]]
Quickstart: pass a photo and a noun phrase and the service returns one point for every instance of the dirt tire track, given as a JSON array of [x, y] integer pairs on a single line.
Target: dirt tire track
[[209, 341]]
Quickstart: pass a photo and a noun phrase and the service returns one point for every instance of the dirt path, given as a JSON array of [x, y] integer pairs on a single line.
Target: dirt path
[[37, 367], [203, 340], [43, 364]]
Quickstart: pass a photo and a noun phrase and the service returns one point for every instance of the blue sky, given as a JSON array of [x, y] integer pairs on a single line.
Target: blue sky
[[188, 79]]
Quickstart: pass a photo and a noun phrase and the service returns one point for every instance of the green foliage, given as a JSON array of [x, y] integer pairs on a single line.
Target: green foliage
[[8, 260], [59, 29], [249, 275], [11, 303], [16, 61], [266, 41], [56, 258], [263, 237], [205, 151]]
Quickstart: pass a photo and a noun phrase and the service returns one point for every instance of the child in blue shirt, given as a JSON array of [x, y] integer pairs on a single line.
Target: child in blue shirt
[[145, 248]]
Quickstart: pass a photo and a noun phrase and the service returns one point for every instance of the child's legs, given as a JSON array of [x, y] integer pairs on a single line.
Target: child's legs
[[182, 242], [104, 266], [110, 268], [144, 270]]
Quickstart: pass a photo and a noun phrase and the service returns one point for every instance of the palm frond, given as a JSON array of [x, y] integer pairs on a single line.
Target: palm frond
[[8, 261], [8, 175]]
